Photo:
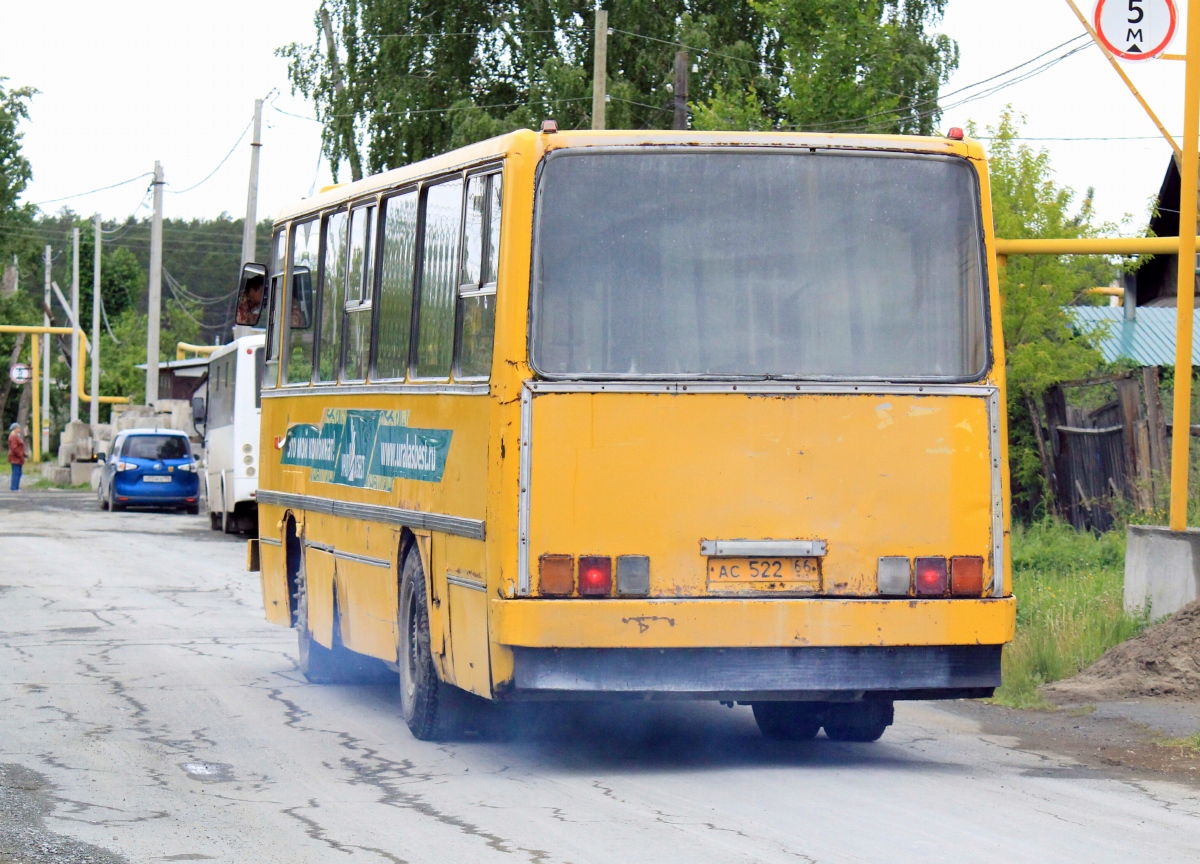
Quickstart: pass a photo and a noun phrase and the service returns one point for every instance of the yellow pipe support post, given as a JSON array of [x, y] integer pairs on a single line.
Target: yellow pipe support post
[[34, 402], [1117, 66], [1186, 286], [83, 394], [35, 331]]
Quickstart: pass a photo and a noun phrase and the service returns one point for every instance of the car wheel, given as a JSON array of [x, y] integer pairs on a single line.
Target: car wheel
[[100, 498], [859, 721], [432, 709], [787, 721]]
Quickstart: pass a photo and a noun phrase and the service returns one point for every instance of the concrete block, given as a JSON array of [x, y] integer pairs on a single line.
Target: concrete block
[[56, 474], [75, 432], [81, 472], [1162, 568], [174, 414]]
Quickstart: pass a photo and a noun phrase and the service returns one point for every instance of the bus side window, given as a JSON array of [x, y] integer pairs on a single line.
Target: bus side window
[[439, 279], [279, 268], [477, 284], [298, 326], [333, 293], [360, 283], [396, 286]]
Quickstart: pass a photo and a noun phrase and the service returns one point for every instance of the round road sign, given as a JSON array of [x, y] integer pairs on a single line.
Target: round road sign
[[1135, 29], [19, 374]]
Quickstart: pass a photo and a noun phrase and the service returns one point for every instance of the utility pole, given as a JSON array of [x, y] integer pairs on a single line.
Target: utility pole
[[155, 300], [45, 431], [600, 70], [94, 405], [250, 227], [681, 91], [75, 330]]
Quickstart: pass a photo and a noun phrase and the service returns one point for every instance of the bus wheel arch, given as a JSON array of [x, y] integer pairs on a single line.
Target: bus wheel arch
[[293, 552]]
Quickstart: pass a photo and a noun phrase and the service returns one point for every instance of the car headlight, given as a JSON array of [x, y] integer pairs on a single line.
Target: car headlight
[[190, 466], [126, 466]]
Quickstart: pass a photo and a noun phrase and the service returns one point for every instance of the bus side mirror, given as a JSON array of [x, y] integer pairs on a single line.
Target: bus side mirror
[[251, 292], [199, 409]]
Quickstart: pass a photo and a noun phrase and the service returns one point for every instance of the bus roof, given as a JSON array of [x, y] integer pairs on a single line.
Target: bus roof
[[544, 142]]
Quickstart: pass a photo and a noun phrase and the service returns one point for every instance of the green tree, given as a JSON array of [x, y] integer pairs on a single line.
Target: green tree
[[841, 66], [412, 78], [1042, 345]]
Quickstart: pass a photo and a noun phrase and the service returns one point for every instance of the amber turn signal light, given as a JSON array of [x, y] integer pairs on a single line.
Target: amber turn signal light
[[930, 575], [556, 575], [966, 577], [595, 575]]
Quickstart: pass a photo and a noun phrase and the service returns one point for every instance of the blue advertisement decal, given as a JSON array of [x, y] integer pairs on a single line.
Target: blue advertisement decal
[[366, 448]]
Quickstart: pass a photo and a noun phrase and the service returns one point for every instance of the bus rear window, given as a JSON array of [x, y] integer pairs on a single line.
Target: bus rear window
[[727, 263]]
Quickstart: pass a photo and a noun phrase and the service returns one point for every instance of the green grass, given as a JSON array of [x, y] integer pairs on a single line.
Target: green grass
[[1191, 743], [1070, 606]]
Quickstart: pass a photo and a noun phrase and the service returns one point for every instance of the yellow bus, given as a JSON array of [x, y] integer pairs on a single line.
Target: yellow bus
[[642, 415]]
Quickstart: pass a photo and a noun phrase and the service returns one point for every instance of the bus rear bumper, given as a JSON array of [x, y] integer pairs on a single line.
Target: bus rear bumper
[[755, 674], [776, 622]]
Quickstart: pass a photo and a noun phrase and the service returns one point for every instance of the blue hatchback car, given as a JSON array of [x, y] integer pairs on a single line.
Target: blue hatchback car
[[150, 468]]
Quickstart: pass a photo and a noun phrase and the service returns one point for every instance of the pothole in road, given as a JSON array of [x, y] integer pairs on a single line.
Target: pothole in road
[[208, 772]]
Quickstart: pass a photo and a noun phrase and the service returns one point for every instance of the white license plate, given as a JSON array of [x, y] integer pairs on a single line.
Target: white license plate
[[153, 478]]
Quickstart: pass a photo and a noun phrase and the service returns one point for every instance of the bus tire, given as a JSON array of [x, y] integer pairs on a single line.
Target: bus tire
[[787, 721], [228, 523], [859, 721], [431, 708]]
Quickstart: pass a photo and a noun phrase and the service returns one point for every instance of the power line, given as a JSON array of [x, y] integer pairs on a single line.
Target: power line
[[93, 191], [219, 164], [934, 101]]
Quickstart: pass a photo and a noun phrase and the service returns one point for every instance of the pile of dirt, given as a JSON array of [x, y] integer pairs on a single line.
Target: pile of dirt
[[1162, 661]]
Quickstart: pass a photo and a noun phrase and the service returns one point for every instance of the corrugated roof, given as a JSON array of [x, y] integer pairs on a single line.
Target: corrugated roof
[[1149, 340]]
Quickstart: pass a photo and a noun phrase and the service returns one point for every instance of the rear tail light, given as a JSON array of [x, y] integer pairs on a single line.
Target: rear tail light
[[966, 577], [633, 574], [930, 576], [595, 575], [894, 575], [556, 575]]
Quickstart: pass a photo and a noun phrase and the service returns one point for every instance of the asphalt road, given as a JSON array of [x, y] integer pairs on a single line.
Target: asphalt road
[[148, 713]]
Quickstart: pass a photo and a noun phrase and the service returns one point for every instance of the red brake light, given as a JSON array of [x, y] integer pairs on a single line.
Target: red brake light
[[595, 575], [930, 576]]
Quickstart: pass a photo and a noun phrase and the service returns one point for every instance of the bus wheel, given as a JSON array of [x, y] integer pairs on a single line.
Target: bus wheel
[[859, 721], [787, 721], [228, 523], [431, 708]]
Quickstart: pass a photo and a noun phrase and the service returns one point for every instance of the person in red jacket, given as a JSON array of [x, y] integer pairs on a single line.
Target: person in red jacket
[[16, 455]]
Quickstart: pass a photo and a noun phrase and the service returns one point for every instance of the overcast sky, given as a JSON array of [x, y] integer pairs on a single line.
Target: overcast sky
[[127, 82]]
